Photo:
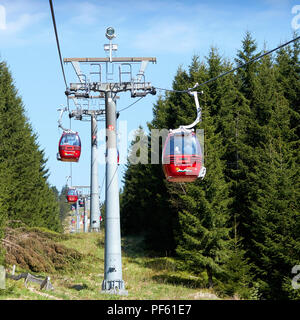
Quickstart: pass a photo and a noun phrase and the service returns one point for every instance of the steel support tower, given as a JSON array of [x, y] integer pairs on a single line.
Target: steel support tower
[[94, 189], [84, 192], [108, 90]]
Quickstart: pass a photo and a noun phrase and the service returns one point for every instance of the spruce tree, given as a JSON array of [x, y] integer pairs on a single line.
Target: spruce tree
[[229, 108], [247, 212], [27, 194], [288, 66], [275, 188], [3, 209], [144, 206], [133, 205], [64, 206], [247, 138], [203, 240]]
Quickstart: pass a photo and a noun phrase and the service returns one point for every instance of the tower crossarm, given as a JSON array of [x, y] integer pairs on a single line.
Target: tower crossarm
[[114, 59], [134, 87]]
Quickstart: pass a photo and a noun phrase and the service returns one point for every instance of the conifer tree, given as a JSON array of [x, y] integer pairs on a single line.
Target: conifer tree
[[3, 210], [241, 223], [203, 239], [229, 108], [288, 66], [247, 138], [27, 194], [144, 205], [64, 206], [133, 204], [275, 181]]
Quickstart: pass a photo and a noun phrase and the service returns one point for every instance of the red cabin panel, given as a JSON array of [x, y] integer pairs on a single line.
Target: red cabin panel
[[72, 195], [69, 147], [182, 157]]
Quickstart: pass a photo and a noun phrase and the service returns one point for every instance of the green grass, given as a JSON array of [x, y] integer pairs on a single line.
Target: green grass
[[146, 278]]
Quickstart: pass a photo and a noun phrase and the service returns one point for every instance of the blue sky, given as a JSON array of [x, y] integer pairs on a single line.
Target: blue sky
[[171, 31]]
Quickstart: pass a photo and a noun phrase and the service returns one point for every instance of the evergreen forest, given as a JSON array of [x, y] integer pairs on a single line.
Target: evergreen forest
[[26, 197], [239, 227]]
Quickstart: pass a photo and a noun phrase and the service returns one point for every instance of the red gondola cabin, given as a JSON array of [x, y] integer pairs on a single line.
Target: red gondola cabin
[[182, 157], [72, 195], [81, 203], [69, 147]]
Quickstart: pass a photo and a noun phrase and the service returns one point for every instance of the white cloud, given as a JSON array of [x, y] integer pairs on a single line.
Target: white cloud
[[166, 36], [85, 13], [18, 17], [23, 21]]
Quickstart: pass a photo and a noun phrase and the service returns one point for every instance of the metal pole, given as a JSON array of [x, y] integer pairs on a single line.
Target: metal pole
[[95, 210], [85, 215], [89, 211], [77, 217], [112, 282]]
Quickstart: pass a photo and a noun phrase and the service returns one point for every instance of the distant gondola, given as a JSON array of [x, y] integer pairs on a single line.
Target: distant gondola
[[81, 203], [72, 195]]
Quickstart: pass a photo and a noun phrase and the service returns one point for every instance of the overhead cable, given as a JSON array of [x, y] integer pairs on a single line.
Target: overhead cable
[[235, 69], [131, 104], [57, 42]]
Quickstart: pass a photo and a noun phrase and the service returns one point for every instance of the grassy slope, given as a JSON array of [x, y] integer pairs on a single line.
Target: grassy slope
[[146, 278]]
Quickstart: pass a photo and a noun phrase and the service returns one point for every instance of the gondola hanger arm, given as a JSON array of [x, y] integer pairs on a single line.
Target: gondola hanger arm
[[199, 111], [62, 110], [68, 178]]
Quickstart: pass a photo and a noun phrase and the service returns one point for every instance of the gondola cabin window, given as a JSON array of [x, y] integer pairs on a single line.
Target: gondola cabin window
[[182, 157]]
